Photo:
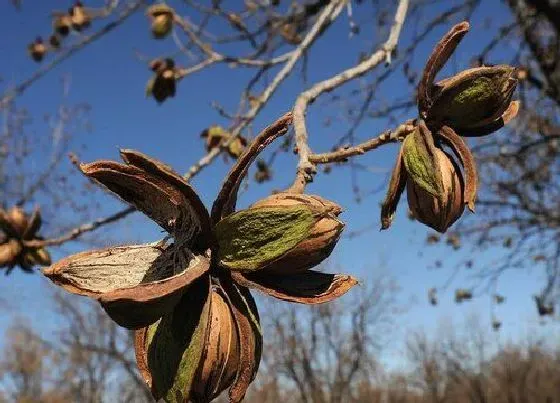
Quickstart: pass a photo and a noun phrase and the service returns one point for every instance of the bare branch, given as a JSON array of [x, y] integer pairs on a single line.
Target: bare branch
[[305, 167]]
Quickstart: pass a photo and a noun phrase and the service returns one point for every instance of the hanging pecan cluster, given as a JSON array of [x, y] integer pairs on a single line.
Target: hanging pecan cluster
[[475, 102], [197, 325], [18, 228], [77, 18]]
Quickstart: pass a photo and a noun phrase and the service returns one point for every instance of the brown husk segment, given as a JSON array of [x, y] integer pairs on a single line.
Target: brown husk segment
[[169, 352], [9, 251], [33, 225], [220, 360], [7, 226], [442, 211], [474, 97], [464, 154], [156, 192], [309, 287], [247, 320], [135, 284], [439, 56], [509, 114], [17, 228], [396, 187]]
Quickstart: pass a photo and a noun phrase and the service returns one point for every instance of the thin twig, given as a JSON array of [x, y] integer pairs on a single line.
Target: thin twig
[[78, 231], [329, 13], [306, 168], [386, 137]]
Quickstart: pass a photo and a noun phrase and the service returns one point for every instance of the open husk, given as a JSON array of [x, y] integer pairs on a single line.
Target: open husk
[[281, 234]]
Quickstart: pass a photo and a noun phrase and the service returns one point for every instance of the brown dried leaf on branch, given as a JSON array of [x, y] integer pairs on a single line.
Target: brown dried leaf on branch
[[197, 326], [163, 84], [463, 294], [216, 136]]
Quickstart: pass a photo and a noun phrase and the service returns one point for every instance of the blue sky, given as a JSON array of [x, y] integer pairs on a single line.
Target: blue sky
[[111, 79]]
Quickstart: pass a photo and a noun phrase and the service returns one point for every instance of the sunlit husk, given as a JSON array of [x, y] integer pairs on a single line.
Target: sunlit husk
[[18, 219], [307, 230], [162, 20], [80, 18]]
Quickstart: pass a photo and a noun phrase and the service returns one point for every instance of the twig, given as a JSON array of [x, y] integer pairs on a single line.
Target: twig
[[9, 95], [329, 13], [386, 137], [78, 231], [306, 168]]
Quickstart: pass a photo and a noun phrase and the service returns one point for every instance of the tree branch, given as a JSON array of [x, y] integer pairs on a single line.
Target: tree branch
[[306, 168]]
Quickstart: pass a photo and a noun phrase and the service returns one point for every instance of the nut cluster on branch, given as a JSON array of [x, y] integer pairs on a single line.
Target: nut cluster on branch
[[77, 18], [474, 102], [17, 229], [197, 329]]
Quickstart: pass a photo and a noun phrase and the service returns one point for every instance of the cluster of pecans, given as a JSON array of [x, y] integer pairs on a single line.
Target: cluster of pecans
[[474, 102], [17, 229], [197, 328], [77, 18]]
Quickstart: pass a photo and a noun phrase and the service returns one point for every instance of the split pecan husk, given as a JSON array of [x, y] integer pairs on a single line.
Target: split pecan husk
[[197, 325]]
